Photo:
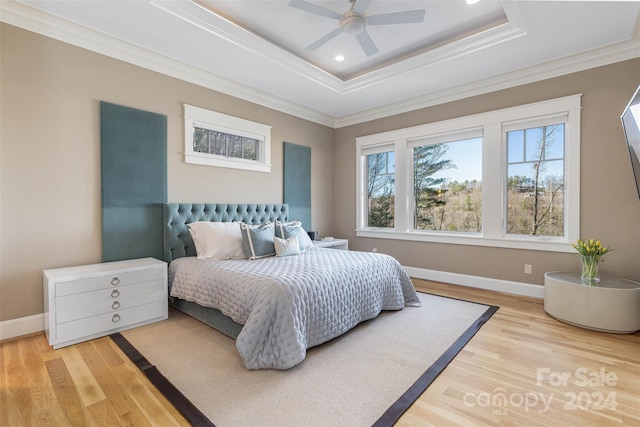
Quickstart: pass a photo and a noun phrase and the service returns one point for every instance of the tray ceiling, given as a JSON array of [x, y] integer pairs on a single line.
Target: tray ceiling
[[258, 49]]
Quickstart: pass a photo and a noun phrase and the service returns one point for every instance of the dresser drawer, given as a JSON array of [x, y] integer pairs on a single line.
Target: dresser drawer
[[107, 295], [108, 281], [103, 323], [84, 302], [112, 306]]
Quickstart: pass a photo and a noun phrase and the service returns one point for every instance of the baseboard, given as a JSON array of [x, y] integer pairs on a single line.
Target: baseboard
[[506, 286], [31, 324], [21, 326]]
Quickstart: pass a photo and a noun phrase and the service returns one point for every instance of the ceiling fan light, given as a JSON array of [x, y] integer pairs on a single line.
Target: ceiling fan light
[[353, 24]]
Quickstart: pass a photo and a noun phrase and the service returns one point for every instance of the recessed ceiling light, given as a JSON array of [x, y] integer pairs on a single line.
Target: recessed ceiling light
[[472, 1], [339, 58]]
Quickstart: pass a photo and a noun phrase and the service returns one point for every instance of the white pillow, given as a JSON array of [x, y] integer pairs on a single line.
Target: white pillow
[[286, 247], [217, 240]]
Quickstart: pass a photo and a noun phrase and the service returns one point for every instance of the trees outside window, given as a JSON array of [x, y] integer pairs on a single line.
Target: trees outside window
[[220, 140], [535, 181], [506, 178], [447, 194], [380, 189], [224, 144]]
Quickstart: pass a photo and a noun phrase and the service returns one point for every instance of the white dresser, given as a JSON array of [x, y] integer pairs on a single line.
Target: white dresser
[[90, 301]]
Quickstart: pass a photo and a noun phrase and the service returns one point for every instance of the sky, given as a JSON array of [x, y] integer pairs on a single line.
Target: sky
[[467, 155]]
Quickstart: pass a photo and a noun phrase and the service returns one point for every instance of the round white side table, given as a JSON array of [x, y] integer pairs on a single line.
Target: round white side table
[[611, 306]]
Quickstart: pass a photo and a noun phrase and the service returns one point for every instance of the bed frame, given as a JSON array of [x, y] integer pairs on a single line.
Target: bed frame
[[178, 243]]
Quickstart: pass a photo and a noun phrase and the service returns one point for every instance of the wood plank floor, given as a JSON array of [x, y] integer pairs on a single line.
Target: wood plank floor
[[87, 384], [521, 368], [525, 368]]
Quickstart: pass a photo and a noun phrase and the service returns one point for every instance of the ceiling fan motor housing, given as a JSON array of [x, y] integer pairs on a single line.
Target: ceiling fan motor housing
[[353, 23]]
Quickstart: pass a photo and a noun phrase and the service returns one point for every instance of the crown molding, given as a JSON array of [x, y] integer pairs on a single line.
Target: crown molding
[[512, 27], [198, 15], [595, 58], [201, 17], [39, 22]]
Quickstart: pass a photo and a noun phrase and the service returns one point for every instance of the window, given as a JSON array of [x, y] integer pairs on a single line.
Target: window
[[447, 182], [216, 139], [535, 181], [380, 189], [225, 144], [506, 178]]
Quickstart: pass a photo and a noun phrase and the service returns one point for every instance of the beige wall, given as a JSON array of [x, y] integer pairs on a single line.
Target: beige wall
[[610, 208], [50, 212], [50, 165]]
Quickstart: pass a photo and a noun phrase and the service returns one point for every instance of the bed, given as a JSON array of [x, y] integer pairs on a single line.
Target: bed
[[276, 307]]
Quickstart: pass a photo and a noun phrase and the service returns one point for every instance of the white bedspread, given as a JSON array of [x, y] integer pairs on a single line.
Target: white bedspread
[[289, 304]]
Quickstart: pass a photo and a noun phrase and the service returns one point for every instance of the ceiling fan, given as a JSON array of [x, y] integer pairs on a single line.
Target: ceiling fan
[[354, 22]]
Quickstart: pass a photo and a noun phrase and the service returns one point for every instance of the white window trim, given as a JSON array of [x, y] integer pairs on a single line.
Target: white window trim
[[199, 117], [493, 184]]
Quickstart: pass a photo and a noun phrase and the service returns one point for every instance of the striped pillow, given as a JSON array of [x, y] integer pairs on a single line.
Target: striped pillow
[[257, 240]]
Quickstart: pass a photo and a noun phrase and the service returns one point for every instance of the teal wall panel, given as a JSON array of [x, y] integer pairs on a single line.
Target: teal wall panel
[[134, 181], [297, 183]]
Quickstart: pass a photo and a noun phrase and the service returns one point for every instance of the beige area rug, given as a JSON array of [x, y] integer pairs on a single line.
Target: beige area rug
[[368, 376]]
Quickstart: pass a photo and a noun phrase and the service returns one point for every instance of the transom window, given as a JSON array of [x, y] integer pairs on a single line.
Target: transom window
[[225, 144], [506, 178], [217, 139]]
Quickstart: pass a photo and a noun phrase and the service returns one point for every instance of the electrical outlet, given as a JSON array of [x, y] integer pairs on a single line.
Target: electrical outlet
[[374, 250], [527, 269]]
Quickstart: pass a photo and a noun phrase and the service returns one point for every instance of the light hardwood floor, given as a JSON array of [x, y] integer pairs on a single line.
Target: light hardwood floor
[[521, 368]]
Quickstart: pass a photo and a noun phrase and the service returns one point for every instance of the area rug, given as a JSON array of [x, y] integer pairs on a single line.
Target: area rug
[[368, 376]]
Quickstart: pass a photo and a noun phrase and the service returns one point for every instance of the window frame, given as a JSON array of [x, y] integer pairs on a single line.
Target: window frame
[[434, 139], [211, 120], [372, 150], [494, 177], [526, 125]]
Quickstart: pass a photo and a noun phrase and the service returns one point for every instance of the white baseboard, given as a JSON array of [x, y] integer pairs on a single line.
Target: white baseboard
[[506, 286], [31, 324], [21, 326]]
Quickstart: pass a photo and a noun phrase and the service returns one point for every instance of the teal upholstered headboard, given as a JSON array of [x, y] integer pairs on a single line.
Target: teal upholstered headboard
[[176, 216]]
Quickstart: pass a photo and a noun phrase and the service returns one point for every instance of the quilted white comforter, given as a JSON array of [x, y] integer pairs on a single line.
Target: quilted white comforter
[[289, 304]]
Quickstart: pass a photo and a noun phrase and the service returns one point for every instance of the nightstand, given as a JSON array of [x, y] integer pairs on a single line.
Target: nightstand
[[332, 243], [90, 301], [613, 305]]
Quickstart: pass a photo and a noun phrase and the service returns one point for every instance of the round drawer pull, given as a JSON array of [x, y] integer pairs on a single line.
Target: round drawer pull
[[115, 305], [115, 293], [115, 318], [115, 281]]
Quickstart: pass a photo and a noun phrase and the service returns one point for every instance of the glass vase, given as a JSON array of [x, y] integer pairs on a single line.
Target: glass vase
[[590, 274]]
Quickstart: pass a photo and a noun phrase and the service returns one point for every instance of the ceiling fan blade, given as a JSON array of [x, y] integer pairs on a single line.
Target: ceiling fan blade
[[408, 17], [312, 8], [367, 44], [322, 40], [359, 6]]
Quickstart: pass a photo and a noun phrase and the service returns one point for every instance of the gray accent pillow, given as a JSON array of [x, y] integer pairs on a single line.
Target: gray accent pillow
[[286, 230], [257, 240]]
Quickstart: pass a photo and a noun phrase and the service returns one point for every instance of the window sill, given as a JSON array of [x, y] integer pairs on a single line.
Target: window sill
[[208, 160], [472, 239]]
